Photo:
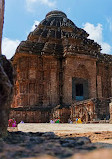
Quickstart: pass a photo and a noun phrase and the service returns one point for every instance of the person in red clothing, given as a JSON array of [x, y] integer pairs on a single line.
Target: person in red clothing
[[10, 123], [14, 123]]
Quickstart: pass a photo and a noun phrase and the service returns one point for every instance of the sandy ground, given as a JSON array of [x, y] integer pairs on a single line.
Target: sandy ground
[[101, 133], [64, 128]]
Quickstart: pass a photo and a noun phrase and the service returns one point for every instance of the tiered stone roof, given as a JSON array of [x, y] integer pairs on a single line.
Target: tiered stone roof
[[57, 35], [105, 58]]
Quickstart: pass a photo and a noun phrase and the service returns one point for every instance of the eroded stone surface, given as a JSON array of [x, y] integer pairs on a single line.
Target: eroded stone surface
[[6, 92], [18, 144], [45, 146]]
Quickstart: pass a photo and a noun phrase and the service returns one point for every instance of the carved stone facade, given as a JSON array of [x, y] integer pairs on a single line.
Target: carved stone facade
[[59, 65]]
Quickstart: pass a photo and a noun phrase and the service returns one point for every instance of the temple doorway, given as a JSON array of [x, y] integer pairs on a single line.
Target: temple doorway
[[79, 89], [79, 92]]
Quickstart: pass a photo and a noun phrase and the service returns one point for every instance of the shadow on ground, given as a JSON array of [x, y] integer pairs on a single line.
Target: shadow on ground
[[29, 145]]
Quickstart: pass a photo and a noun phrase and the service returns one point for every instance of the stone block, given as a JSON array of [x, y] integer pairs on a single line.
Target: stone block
[[6, 93]]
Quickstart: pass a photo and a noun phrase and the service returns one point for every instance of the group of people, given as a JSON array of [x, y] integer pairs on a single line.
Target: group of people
[[55, 121], [77, 121], [12, 123]]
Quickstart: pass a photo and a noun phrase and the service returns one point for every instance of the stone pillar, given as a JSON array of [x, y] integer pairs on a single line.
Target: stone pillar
[[99, 86], [111, 86], [92, 74], [110, 108]]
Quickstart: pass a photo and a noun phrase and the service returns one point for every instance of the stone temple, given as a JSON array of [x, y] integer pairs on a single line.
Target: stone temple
[[61, 73]]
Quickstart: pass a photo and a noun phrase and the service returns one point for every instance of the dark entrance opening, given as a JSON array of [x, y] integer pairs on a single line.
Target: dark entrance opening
[[79, 92], [79, 89]]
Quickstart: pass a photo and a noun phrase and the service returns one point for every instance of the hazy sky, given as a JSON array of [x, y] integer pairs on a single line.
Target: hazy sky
[[21, 16]]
